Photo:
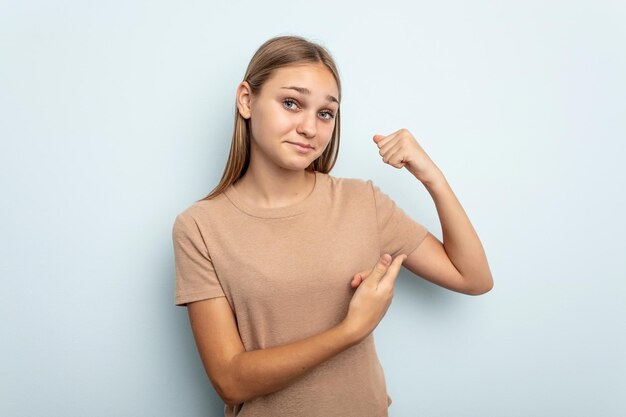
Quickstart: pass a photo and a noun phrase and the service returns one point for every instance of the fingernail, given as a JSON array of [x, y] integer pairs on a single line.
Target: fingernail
[[384, 259]]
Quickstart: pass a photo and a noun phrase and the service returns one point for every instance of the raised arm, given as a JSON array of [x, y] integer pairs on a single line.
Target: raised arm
[[460, 262]]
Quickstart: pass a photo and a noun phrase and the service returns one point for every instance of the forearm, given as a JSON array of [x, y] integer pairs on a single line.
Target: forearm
[[460, 240], [264, 371]]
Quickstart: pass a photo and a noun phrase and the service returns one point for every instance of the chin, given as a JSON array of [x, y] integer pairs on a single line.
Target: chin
[[297, 165]]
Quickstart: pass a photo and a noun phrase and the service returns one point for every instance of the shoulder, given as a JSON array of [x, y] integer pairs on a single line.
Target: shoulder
[[200, 212], [349, 186], [361, 192]]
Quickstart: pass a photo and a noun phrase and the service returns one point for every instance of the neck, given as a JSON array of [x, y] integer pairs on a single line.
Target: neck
[[275, 187]]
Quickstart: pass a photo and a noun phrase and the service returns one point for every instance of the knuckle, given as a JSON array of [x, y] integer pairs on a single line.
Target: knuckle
[[380, 268]]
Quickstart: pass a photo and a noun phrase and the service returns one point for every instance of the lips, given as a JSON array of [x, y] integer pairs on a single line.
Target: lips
[[304, 145]]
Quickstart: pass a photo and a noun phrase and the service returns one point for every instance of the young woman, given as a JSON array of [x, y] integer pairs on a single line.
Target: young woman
[[287, 270]]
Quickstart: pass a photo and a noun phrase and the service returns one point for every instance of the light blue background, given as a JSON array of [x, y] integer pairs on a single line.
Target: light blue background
[[115, 116]]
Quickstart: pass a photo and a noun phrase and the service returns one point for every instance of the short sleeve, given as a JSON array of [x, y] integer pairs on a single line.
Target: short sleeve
[[397, 232], [195, 276]]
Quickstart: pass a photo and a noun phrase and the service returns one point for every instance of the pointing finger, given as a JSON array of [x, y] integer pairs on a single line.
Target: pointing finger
[[358, 278], [379, 270], [392, 273]]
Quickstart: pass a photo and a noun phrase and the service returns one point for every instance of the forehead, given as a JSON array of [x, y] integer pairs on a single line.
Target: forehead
[[316, 78]]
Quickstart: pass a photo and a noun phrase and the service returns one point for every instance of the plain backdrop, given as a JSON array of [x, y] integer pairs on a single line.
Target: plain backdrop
[[115, 116]]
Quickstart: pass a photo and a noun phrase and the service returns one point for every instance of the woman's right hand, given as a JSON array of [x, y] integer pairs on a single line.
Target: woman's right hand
[[372, 298]]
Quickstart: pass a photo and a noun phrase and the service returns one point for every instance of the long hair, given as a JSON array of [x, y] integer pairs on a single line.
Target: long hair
[[277, 52]]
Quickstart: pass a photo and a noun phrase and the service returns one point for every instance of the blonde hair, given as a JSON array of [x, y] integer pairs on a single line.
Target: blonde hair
[[277, 52]]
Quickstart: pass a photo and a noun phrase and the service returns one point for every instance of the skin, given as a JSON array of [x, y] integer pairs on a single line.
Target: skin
[[276, 175], [459, 262]]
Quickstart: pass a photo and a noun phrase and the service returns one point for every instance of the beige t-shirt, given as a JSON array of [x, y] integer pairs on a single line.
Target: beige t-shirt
[[286, 274]]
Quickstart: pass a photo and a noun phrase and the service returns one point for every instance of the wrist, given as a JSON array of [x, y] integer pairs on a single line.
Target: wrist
[[349, 332], [431, 178], [434, 183]]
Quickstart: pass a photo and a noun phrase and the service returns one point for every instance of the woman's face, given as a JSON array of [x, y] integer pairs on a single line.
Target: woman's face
[[297, 105]]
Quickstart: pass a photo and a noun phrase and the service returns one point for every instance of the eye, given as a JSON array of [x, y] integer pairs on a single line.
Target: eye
[[288, 101], [330, 115]]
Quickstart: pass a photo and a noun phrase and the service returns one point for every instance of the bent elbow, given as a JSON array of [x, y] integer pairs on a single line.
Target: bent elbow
[[229, 388], [228, 395], [230, 403], [482, 289]]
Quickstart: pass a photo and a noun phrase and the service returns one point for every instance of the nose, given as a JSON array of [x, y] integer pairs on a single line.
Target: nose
[[308, 124]]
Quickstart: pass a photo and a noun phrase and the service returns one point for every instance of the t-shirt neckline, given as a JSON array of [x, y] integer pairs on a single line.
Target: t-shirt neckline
[[275, 212]]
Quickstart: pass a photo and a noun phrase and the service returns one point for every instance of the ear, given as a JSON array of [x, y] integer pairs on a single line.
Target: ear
[[244, 95]]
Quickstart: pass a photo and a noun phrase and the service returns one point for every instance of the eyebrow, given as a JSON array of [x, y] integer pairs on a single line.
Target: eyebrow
[[303, 90]]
